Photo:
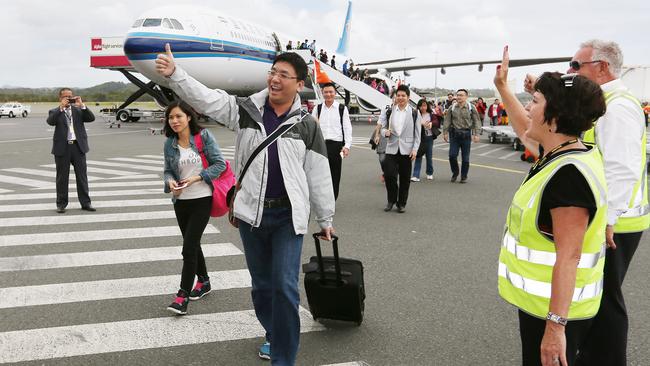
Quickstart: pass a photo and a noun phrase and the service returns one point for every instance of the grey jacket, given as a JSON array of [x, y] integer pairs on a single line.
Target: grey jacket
[[408, 139], [302, 153]]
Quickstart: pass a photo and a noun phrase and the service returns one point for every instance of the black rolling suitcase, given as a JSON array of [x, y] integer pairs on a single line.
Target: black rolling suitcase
[[334, 286]]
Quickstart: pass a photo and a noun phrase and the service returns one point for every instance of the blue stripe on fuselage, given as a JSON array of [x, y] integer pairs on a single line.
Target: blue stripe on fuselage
[[145, 46]]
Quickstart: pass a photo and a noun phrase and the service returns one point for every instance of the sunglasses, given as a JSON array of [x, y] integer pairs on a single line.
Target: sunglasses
[[577, 64]]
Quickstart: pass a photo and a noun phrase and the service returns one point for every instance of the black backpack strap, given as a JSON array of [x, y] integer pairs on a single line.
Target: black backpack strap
[[268, 141], [319, 109], [341, 110]]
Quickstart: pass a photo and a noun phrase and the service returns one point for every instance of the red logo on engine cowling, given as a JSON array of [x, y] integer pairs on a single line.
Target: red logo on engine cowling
[[96, 44]]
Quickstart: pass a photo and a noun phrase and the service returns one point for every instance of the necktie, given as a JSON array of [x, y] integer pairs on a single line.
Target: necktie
[[68, 116]]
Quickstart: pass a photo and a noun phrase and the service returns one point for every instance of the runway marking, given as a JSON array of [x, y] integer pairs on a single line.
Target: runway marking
[[96, 204], [479, 146], [50, 138], [86, 219], [90, 339], [143, 161], [92, 169], [43, 173], [3, 191], [123, 165], [94, 235], [491, 151], [489, 167], [354, 363], [64, 293], [138, 177], [157, 183], [158, 157], [110, 257], [509, 155], [39, 196], [24, 181]]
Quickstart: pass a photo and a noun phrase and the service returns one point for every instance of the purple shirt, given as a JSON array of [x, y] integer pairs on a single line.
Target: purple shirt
[[275, 182]]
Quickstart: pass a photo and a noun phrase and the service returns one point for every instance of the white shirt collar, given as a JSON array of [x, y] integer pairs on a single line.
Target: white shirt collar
[[612, 85]]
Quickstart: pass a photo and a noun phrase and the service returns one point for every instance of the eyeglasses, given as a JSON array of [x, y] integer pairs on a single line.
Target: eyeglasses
[[575, 65], [281, 75]]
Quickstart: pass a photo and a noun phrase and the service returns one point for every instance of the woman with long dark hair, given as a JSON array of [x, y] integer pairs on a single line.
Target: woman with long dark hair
[[191, 187], [426, 146]]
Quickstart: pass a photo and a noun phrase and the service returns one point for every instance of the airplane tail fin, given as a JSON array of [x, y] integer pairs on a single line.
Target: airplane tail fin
[[342, 49]]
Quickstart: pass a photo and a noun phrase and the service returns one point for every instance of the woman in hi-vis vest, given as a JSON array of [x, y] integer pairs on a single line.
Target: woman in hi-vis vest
[[553, 246]]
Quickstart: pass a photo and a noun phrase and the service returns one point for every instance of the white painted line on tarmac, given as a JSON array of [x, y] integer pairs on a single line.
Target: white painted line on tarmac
[[3, 191], [138, 177], [479, 146], [141, 161], [90, 339], [157, 157], [24, 181], [86, 219], [92, 169], [63, 293], [94, 235], [52, 195], [354, 363], [494, 150], [504, 157], [110, 257], [44, 173], [76, 205], [124, 165], [157, 183]]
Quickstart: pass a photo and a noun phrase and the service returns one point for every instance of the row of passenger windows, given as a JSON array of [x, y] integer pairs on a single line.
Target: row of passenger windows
[[249, 38], [157, 22]]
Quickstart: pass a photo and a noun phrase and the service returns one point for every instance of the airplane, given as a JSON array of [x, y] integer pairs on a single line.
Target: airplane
[[234, 55]]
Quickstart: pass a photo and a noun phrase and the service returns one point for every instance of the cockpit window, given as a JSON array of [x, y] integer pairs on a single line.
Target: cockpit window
[[153, 22], [177, 24], [138, 23], [167, 24]]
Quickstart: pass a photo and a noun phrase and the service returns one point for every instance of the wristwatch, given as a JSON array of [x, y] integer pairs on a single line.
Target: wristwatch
[[556, 318]]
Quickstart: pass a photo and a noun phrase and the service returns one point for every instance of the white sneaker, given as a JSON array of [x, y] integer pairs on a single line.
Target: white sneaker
[[430, 177], [415, 179]]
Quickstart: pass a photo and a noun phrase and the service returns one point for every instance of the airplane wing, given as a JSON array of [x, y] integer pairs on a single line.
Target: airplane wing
[[385, 61], [513, 63]]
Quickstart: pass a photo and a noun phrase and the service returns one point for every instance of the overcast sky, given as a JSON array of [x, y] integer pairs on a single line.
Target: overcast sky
[[47, 43]]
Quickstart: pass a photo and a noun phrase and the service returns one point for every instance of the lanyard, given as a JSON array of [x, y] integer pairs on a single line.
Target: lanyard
[[544, 158]]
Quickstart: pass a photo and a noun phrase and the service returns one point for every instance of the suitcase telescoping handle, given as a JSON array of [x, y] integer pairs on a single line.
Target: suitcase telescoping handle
[[319, 254]]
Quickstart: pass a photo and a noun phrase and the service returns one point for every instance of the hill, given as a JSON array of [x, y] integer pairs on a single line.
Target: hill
[[106, 92]]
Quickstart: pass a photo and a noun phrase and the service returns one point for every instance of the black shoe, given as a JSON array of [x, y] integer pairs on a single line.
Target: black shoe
[[179, 306], [389, 206], [453, 178], [60, 209], [463, 180], [88, 208], [200, 289], [401, 209]]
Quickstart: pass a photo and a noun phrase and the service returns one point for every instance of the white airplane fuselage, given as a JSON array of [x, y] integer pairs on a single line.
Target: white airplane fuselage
[[218, 50]]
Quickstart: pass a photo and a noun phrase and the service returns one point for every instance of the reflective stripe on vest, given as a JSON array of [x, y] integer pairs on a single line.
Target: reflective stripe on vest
[[527, 256], [637, 218]]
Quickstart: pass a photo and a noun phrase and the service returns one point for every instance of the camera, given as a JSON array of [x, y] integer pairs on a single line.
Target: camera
[[72, 100]]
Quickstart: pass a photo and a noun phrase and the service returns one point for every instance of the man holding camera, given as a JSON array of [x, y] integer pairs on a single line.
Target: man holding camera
[[70, 145]]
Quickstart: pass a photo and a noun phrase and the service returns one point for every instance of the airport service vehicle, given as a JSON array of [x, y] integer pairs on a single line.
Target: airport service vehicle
[[497, 134], [14, 109]]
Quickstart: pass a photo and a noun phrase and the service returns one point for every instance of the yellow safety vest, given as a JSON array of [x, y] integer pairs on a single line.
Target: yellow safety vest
[[527, 256], [637, 217]]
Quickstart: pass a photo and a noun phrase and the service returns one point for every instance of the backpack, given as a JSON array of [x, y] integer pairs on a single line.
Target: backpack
[[341, 111]]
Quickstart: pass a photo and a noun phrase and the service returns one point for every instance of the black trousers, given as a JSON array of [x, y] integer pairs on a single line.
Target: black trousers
[[531, 331], [606, 342], [74, 156], [397, 165], [192, 216], [334, 157]]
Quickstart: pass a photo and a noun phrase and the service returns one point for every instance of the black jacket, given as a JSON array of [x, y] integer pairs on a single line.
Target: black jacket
[[58, 119]]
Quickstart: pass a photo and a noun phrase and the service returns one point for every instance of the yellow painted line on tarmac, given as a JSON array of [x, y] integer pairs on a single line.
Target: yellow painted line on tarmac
[[471, 164]]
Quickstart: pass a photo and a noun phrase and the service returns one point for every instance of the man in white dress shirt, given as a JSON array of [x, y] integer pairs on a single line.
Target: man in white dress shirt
[[334, 121], [620, 136]]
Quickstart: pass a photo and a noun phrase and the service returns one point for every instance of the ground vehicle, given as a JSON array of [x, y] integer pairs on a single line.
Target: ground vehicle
[[14, 109], [132, 114]]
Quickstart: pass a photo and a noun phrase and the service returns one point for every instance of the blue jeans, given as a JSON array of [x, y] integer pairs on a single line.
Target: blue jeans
[[428, 153], [273, 258], [459, 139]]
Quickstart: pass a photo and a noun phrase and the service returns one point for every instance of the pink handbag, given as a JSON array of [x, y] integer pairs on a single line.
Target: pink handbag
[[221, 185]]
